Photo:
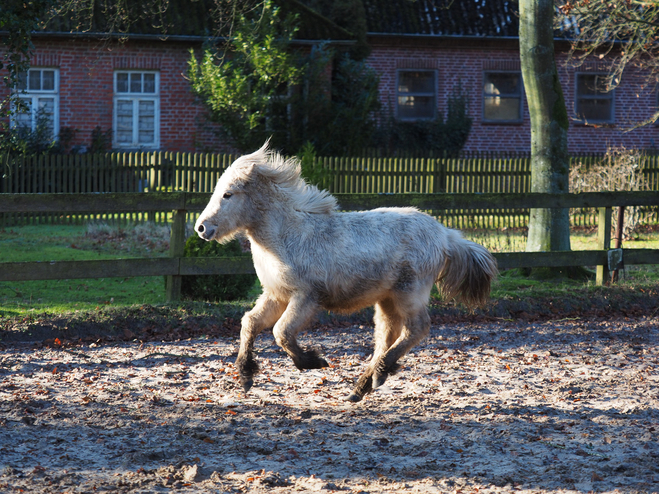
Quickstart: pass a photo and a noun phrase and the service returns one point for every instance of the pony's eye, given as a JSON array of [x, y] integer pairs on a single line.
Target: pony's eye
[[227, 195]]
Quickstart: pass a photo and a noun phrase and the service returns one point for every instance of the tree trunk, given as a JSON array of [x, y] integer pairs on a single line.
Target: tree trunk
[[549, 229]]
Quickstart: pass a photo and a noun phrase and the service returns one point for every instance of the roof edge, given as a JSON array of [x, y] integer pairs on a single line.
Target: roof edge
[[171, 37]]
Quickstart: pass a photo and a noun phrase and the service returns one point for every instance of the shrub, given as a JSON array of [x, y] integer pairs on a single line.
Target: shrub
[[620, 169], [438, 137], [312, 169], [215, 288]]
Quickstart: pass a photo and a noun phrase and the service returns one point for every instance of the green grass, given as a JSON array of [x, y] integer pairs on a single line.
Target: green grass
[[513, 284], [514, 239], [58, 296], [77, 243], [98, 241]]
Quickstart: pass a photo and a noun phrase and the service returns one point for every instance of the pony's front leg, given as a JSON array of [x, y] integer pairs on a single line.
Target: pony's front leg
[[297, 315], [265, 314]]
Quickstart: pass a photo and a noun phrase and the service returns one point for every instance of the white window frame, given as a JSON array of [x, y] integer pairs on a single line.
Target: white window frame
[[34, 97], [610, 95], [433, 95], [136, 97], [518, 95]]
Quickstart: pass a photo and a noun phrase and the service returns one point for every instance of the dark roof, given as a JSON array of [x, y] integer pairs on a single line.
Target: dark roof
[[179, 18], [480, 18], [197, 18], [320, 19]]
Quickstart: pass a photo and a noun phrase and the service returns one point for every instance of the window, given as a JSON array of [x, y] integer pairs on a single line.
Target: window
[[136, 119], [417, 94], [38, 94], [593, 102], [502, 97]]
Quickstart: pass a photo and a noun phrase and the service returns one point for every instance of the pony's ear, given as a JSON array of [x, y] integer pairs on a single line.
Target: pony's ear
[[250, 174]]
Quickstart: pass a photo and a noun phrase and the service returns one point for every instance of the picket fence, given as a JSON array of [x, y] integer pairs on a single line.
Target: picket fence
[[198, 172]]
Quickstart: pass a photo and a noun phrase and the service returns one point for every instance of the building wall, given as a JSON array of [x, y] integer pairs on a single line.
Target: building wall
[[86, 67], [463, 63]]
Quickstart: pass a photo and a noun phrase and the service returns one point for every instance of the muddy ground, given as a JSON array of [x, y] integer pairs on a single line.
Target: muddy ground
[[492, 406]]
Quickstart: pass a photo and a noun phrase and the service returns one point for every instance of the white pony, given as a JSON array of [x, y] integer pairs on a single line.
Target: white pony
[[310, 257]]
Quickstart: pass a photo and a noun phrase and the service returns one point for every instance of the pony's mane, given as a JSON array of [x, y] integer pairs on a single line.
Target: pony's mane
[[287, 175]]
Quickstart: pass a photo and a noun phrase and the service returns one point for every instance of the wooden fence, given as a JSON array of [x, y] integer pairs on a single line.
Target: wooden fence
[[181, 203], [190, 172]]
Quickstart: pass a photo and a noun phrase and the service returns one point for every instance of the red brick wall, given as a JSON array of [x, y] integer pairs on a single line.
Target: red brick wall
[[86, 68], [464, 64]]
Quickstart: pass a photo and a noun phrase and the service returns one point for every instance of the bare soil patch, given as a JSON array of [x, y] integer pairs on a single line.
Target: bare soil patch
[[489, 406]]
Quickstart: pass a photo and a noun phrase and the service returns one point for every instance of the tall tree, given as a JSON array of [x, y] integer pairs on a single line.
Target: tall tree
[[18, 19], [258, 85], [626, 31], [549, 229], [245, 83]]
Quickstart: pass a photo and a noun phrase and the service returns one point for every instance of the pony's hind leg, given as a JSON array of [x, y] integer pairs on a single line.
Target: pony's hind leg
[[265, 314], [388, 327], [297, 315], [416, 327]]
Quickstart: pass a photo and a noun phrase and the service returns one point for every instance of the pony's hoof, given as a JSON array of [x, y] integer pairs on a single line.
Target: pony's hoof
[[354, 398], [379, 379], [247, 384], [310, 360]]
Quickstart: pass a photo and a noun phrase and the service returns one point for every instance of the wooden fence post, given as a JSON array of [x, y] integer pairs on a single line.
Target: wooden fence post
[[603, 242], [176, 249]]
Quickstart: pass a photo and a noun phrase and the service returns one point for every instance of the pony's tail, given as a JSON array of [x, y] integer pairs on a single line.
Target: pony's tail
[[467, 273]]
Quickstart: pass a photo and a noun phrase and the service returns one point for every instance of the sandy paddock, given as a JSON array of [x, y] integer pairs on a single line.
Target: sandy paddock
[[559, 406]]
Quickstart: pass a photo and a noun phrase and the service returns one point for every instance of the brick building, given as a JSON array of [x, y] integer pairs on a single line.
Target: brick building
[[135, 88], [421, 50], [424, 49]]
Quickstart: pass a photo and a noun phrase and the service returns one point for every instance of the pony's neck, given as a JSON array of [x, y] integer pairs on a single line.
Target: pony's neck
[[270, 231]]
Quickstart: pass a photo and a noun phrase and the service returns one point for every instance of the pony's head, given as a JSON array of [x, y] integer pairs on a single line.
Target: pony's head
[[257, 183]]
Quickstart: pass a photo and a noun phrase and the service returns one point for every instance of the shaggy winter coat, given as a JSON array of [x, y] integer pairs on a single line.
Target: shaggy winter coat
[[310, 257]]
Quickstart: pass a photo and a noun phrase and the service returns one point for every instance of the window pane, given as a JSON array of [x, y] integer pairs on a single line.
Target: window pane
[[149, 83], [497, 108], [23, 118], [591, 85], [594, 109], [416, 107], [122, 83], [46, 113], [146, 122], [416, 82], [34, 80], [22, 81], [135, 83], [124, 130], [504, 83], [48, 80]]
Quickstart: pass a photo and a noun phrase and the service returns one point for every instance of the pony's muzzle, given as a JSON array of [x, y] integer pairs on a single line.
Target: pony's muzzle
[[205, 231]]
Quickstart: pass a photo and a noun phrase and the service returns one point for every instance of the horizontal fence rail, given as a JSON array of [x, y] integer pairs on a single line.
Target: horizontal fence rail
[[181, 203], [189, 201]]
